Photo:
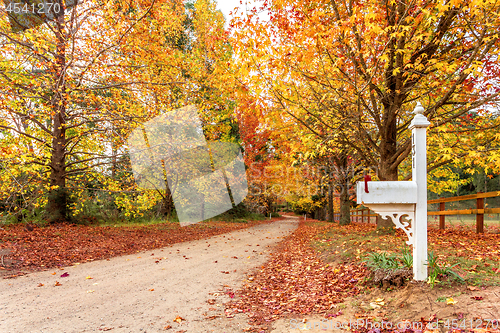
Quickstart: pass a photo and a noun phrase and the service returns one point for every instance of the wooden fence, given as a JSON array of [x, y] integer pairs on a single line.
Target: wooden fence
[[362, 214]]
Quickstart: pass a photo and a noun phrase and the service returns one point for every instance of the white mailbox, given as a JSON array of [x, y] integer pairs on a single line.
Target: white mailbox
[[387, 193], [397, 199], [393, 200]]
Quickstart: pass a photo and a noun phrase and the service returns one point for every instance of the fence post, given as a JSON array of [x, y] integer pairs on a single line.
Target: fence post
[[363, 215], [480, 217], [441, 217]]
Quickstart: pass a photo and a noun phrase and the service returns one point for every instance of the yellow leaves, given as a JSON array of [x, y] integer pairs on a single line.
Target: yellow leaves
[[377, 303], [375, 29], [451, 301]]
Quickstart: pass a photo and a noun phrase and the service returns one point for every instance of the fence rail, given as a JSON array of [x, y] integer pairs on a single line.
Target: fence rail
[[359, 214]]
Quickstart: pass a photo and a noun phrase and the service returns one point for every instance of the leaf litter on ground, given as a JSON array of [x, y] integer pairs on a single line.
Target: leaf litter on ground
[[68, 244], [295, 281]]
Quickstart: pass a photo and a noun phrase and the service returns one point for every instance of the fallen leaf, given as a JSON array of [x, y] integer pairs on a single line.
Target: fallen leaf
[[211, 317], [65, 274], [477, 298], [89, 291], [89, 278], [40, 285], [451, 301], [178, 319], [57, 284]]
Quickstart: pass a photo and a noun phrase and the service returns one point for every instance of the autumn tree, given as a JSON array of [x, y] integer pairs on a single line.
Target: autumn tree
[[374, 60], [73, 88], [51, 78]]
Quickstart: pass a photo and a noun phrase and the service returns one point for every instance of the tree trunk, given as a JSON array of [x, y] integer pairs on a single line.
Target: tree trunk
[[168, 203], [114, 160], [386, 171], [330, 197], [58, 196], [345, 204]]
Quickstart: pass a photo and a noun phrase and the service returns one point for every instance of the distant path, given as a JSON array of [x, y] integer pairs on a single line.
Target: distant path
[[135, 294]]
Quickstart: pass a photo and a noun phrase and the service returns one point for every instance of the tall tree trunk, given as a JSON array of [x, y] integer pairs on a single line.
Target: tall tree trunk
[[330, 196], [168, 203], [345, 203], [58, 196], [386, 171], [114, 160], [343, 179]]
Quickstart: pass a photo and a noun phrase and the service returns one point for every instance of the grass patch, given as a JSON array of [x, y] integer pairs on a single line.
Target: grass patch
[[461, 254]]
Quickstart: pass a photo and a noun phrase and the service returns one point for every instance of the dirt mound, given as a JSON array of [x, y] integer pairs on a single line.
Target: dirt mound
[[386, 278]]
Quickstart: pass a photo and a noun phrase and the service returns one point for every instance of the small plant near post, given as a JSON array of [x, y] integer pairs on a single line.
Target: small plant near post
[[435, 271], [390, 269]]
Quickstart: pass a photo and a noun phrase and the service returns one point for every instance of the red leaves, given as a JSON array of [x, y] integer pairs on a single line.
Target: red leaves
[[66, 244], [295, 280]]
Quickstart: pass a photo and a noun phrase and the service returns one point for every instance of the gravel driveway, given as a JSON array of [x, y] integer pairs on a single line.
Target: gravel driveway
[[180, 288]]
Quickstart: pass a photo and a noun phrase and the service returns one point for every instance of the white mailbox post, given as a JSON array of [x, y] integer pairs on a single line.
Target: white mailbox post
[[396, 199]]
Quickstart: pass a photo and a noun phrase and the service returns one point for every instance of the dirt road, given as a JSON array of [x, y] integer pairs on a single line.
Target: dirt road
[[144, 292]]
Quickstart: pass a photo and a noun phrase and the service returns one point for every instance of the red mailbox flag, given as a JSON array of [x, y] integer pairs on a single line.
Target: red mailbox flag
[[367, 179]]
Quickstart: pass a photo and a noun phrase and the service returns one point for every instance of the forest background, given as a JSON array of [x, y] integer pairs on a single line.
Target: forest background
[[317, 94]]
